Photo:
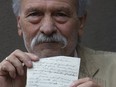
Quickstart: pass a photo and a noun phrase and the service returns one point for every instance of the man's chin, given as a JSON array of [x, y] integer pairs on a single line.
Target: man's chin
[[48, 52]]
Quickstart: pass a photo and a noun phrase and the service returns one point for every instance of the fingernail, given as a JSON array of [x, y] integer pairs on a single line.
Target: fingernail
[[30, 63], [36, 57], [72, 85]]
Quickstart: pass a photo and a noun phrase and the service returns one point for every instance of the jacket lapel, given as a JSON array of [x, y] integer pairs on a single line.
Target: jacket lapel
[[89, 66]]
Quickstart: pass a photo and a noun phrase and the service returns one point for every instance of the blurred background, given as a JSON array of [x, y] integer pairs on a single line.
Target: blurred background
[[100, 30]]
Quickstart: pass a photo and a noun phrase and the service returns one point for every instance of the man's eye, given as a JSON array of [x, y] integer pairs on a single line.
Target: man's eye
[[61, 17], [35, 14], [34, 17], [61, 14]]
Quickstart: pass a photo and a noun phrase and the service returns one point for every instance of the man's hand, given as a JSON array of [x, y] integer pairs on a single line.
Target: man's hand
[[13, 69], [85, 82]]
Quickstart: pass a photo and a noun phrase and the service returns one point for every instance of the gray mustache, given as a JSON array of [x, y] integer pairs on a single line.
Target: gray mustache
[[41, 38]]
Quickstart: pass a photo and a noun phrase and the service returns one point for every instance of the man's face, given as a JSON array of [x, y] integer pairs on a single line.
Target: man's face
[[44, 23]]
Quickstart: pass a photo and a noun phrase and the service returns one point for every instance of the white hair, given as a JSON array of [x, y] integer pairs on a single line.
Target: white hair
[[81, 8]]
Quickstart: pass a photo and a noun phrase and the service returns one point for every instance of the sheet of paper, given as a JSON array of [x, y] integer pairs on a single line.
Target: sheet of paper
[[59, 71]]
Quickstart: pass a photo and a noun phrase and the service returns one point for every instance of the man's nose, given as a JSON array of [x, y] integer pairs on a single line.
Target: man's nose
[[48, 26]]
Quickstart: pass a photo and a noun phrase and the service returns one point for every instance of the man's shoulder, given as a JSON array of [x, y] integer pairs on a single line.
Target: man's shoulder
[[97, 54], [102, 61]]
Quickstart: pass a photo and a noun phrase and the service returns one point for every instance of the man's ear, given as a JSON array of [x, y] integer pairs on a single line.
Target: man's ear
[[82, 24], [20, 32]]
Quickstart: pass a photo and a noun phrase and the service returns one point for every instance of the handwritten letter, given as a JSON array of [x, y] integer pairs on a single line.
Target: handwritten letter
[[59, 71]]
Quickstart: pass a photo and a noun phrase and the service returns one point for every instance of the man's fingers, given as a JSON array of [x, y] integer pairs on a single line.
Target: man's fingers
[[22, 57], [89, 84], [7, 68], [80, 81], [17, 64], [32, 56]]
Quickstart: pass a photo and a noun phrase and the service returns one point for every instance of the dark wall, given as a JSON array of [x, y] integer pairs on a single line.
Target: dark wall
[[99, 31], [9, 40]]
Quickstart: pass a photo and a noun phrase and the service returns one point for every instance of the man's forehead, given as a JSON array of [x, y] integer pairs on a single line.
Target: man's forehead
[[67, 1], [48, 3], [50, 0]]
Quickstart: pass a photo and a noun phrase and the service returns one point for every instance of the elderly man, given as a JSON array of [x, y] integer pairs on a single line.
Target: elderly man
[[53, 28]]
